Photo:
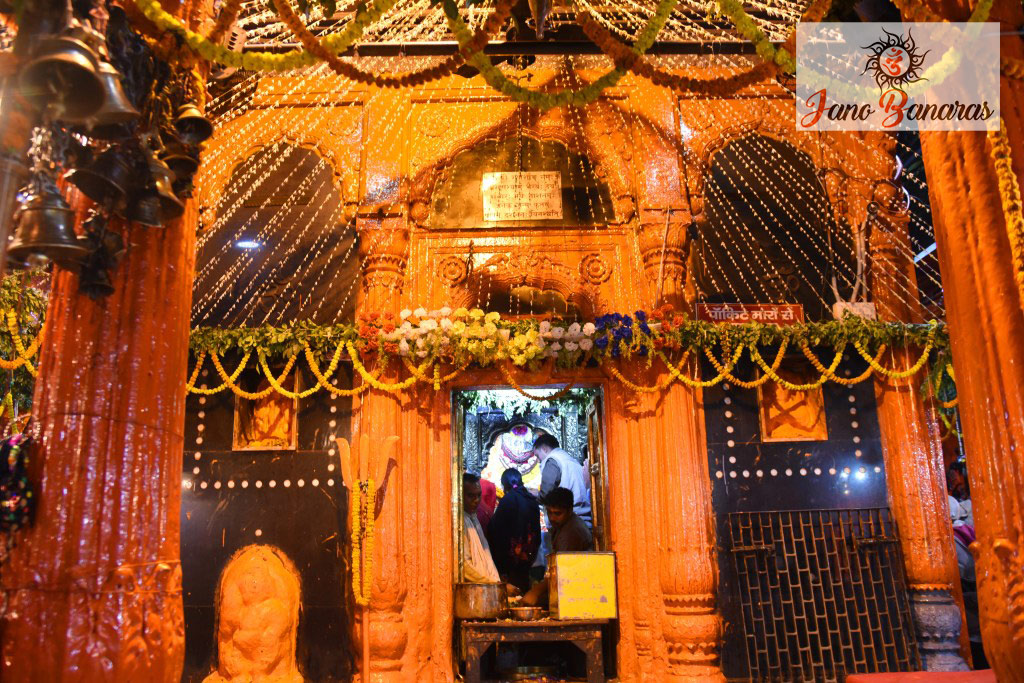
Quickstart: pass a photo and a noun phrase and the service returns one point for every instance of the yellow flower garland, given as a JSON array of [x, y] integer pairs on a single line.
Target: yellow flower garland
[[372, 381], [515, 385], [703, 384], [899, 374], [322, 378], [264, 61], [24, 355], [829, 374], [363, 504], [743, 384], [1009, 193]]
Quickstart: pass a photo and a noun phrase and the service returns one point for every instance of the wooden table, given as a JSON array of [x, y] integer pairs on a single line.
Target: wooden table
[[583, 633]]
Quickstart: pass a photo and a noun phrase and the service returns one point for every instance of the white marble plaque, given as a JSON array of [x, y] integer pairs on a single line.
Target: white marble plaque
[[522, 196]]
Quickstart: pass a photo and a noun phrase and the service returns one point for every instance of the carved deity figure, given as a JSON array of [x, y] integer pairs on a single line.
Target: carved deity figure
[[268, 422], [257, 618]]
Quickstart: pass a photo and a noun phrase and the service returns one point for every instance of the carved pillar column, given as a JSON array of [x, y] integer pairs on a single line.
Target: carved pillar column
[[383, 242], [688, 562], [986, 324], [664, 242], [95, 585], [913, 452], [665, 454]]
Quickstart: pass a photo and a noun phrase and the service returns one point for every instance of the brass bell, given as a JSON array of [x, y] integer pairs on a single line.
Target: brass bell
[[182, 164], [191, 125], [105, 179], [45, 227], [116, 111], [64, 76], [170, 206], [144, 209]]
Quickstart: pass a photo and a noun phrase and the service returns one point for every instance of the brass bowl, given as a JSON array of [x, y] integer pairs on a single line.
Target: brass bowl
[[526, 613]]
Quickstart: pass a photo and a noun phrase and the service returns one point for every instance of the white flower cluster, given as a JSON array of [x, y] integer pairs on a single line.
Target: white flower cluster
[[571, 338]]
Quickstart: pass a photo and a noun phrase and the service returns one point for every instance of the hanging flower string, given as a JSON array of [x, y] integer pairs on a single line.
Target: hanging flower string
[[212, 51], [24, 354], [424, 341], [319, 49], [363, 505]]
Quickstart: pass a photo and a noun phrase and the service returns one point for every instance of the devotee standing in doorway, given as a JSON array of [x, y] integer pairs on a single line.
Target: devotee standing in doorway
[[559, 469], [477, 564], [514, 531], [569, 534]]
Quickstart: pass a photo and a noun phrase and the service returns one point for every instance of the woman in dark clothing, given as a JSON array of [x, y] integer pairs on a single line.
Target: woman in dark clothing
[[514, 531]]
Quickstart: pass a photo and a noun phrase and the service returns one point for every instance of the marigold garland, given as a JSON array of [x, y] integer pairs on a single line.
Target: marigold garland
[[472, 337], [1009, 193], [24, 354], [542, 100], [264, 61], [743, 384], [510, 378], [494, 22]]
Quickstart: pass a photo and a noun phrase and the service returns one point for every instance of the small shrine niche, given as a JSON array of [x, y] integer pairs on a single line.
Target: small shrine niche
[[269, 423], [569, 190], [790, 415]]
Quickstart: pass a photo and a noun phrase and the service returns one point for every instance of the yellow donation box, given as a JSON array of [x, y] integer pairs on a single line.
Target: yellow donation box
[[582, 586]]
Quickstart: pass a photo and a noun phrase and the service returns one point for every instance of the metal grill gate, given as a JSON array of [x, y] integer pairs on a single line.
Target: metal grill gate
[[823, 594]]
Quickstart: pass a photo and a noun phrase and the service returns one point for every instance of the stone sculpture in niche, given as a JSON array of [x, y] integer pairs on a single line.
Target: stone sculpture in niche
[[265, 423], [257, 618]]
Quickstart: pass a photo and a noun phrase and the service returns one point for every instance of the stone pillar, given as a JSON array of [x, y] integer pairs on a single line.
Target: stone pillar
[[913, 452], [664, 242], [688, 562], [658, 466], [986, 324], [95, 584], [93, 588], [383, 243]]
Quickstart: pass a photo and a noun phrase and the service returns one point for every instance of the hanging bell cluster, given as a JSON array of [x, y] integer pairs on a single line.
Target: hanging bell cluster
[[132, 164], [70, 80]]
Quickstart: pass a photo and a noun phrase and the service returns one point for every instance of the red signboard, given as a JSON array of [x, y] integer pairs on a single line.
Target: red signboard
[[737, 314]]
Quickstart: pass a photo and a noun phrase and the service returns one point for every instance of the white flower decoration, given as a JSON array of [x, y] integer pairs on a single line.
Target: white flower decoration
[[446, 311], [446, 324], [589, 329], [571, 346], [574, 330], [421, 343], [586, 344], [420, 312], [428, 324], [545, 327], [557, 332], [403, 347], [405, 313], [556, 347]]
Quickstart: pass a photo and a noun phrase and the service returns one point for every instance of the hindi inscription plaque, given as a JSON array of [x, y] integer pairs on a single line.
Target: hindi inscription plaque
[[522, 196]]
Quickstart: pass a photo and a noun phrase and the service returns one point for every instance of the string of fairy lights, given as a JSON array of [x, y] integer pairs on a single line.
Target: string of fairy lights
[[788, 229]]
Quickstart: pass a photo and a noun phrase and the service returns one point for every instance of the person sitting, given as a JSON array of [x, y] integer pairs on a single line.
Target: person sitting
[[514, 531], [569, 533], [559, 469]]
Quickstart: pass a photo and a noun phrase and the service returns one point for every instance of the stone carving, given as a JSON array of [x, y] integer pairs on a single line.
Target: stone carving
[[453, 270], [595, 269], [937, 621], [258, 604], [524, 267]]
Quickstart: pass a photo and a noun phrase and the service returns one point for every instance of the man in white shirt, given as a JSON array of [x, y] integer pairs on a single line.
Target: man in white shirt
[[559, 469], [477, 563]]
